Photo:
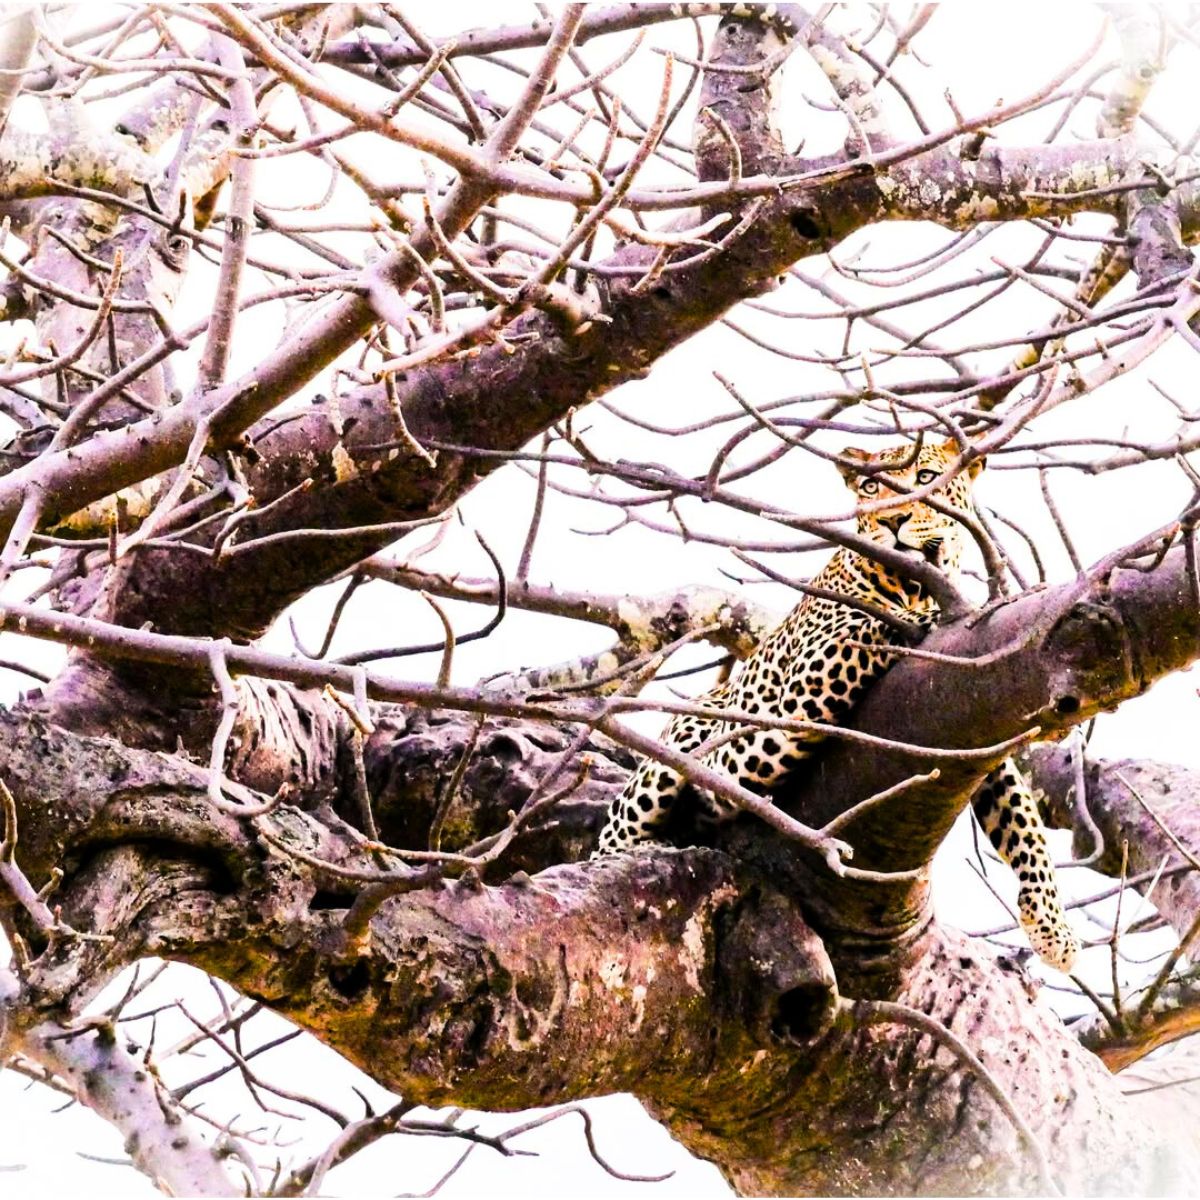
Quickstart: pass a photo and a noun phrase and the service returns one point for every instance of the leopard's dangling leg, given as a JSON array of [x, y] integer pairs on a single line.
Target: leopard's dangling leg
[[1010, 818]]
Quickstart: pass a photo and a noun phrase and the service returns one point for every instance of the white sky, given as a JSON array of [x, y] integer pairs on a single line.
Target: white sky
[[982, 53]]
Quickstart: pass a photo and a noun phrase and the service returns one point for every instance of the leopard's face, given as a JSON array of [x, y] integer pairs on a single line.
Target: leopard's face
[[911, 524]]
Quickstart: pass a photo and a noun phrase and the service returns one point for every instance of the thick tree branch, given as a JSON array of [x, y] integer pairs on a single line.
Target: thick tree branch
[[600, 20], [548, 373], [1147, 810], [367, 477], [1112, 790], [498, 996]]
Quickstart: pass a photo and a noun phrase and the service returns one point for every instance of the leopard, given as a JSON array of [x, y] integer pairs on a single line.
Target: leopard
[[817, 663]]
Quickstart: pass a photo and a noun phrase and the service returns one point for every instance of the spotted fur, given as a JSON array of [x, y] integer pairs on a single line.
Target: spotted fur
[[820, 660]]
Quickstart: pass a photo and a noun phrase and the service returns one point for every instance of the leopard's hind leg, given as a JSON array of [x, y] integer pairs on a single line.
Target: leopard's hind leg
[[643, 805]]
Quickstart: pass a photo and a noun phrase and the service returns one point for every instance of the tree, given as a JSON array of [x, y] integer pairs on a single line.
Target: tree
[[508, 234]]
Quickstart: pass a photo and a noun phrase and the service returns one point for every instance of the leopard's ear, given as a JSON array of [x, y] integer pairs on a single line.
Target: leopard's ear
[[951, 449], [849, 461]]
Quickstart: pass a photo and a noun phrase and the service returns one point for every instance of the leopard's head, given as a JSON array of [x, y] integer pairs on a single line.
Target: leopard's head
[[911, 524]]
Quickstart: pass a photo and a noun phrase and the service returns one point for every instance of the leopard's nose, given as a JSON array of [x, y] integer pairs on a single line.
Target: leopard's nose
[[893, 521]]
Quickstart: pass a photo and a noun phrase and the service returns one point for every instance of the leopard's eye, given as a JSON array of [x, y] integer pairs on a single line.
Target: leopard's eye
[[926, 476], [869, 487]]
